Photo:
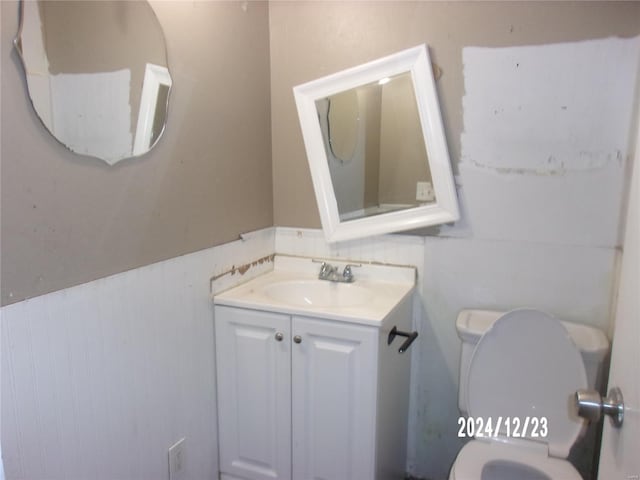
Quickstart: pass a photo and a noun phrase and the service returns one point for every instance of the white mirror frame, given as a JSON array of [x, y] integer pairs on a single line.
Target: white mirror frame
[[444, 210]]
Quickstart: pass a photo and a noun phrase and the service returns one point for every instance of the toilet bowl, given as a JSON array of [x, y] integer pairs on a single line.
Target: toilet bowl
[[524, 366], [496, 461]]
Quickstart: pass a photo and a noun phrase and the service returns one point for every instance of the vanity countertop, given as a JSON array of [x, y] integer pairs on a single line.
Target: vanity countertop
[[292, 287]]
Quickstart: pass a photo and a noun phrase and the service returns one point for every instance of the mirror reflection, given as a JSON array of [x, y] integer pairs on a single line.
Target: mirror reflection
[[375, 148], [97, 74]]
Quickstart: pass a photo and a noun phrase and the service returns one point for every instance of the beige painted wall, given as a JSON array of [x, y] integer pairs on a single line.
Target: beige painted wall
[[68, 219], [312, 39]]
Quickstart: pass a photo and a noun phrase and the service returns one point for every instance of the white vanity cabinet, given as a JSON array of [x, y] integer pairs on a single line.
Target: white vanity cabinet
[[254, 393], [309, 398], [333, 399]]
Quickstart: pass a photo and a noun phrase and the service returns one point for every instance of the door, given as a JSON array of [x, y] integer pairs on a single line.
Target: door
[[254, 393], [619, 453], [333, 399]]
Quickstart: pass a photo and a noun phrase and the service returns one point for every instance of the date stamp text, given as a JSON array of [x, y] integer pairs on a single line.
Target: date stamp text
[[515, 427]]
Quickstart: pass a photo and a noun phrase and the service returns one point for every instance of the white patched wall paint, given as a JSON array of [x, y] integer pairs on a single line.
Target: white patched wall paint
[[542, 182]]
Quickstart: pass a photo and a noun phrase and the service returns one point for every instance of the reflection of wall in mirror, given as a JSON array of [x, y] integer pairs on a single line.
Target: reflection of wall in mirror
[[91, 112], [107, 36], [160, 113], [34, 55], [376, 153], [153, 107], [403, 156], [369, 99], [343, 120], [347, 174]]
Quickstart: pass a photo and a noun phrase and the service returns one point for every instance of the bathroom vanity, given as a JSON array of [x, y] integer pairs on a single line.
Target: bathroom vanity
[[311, 382]]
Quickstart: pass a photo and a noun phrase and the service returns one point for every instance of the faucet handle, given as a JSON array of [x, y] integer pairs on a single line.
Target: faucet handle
[[326, 270], [347, 273]]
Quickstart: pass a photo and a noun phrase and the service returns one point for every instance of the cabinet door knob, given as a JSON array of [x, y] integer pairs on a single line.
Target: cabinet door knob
[[297, 339], [279, 336]]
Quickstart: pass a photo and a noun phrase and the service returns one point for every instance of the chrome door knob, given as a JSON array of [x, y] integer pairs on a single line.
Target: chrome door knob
[[279, 336], [591, 405], [297, 339]]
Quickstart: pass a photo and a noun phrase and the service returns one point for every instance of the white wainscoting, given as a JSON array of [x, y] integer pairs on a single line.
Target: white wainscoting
[[99, 380]]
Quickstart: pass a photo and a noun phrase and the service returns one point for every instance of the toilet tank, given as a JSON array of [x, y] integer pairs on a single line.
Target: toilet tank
[[471, 325]]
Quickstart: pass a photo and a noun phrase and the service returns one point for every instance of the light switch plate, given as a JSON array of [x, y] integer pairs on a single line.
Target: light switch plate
[[424, 192]]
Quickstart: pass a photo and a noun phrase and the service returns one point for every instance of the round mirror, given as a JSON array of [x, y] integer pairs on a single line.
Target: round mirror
[[97, 74]]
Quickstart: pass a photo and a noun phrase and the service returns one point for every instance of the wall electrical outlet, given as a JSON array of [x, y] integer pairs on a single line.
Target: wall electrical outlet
[[176, 460], [425, 192]]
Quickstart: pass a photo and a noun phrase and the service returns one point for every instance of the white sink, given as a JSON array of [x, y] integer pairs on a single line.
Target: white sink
[[293, 288], [318, 293]]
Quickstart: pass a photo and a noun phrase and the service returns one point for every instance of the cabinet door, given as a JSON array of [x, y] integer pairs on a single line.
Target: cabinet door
[[333, 400], [254, 393]]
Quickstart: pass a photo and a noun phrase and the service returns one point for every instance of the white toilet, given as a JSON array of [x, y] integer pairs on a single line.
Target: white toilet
[[522, 364]]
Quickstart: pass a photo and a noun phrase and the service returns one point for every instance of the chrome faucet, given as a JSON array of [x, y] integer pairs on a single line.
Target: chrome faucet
[[347, 274], [327, 271], [330, 273]]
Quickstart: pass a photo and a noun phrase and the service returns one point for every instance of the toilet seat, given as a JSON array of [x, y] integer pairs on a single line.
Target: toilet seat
[[478, 454], [525, 365]]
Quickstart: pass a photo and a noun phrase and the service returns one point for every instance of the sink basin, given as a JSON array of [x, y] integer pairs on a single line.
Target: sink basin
[[292, 287], [318, 293]]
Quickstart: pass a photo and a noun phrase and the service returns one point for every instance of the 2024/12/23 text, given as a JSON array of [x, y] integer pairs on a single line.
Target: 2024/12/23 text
[[516, 427]]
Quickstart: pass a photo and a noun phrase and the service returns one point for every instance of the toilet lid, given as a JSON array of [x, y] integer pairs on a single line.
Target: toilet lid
[[527, 366]]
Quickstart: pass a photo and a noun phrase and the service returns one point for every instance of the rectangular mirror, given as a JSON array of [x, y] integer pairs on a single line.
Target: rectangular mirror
[[376, 147]]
